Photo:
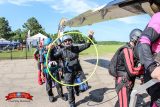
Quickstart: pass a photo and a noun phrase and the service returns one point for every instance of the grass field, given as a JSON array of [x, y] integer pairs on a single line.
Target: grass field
[[17, 54], [102, 50]]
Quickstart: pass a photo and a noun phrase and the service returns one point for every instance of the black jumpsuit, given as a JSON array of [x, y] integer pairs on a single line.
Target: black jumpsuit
[[127, 72], [70, 55]]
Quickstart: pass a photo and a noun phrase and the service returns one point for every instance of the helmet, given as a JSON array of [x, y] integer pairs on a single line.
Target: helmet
[[135, 34], [47, 41], [66, 37]]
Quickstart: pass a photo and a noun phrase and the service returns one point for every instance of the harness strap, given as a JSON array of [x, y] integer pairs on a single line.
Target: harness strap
[[122, 83]]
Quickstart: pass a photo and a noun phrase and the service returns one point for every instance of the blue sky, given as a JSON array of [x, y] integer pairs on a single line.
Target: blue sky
[[49, 12]]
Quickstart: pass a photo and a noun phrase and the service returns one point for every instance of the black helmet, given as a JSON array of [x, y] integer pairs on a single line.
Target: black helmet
[[135, 34], [66, 37]]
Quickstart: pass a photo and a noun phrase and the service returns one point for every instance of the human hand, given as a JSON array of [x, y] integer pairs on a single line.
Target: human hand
[[60, 73], [156, 73], [90, 34], [51, 46], [63, 20], [42, 76], [52, 63]]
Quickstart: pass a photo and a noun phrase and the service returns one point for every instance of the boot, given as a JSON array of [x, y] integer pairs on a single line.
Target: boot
[[64, 97], [52, 99], [39, 78], [72, 105], [77, 93]]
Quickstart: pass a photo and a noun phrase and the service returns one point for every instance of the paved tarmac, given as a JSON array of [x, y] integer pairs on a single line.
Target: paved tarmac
[[21, 76]]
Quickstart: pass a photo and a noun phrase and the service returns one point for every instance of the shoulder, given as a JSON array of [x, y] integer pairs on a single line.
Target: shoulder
[[155, 22]]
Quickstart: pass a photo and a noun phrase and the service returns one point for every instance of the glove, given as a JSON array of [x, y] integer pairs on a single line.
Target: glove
[[156, 73], [63, 20], [51, 46], [52, 63], [90, 34]]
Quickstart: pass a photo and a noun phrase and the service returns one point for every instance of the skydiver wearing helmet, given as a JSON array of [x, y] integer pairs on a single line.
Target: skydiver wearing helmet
[[70, 54], [148, 46], [54, 71], [125, 68]]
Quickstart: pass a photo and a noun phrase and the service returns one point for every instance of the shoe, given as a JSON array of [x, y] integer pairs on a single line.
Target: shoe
[[72, 105], [52, 99], [40, 81], [39, 78], [64, 97], [77, 93]]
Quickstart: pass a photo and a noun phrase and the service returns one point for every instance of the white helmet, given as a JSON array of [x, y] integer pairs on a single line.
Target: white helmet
[[67, 37]]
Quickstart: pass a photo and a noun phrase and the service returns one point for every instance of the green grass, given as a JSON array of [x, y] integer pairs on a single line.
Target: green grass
[[17, 54], [102, 50]]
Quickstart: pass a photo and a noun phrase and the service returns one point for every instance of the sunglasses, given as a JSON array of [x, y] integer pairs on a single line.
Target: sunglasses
[[69, 40]]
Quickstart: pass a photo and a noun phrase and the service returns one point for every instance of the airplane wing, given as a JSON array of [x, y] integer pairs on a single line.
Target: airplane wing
[[112, 10]]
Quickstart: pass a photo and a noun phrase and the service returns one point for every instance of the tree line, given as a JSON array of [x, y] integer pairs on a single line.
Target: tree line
[[110, 43], [32, 24], [35, 27]]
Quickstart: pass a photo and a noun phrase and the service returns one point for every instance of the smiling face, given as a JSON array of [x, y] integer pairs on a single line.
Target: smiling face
[[68, 42]]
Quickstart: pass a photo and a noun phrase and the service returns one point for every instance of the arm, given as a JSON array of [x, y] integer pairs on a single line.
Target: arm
[[149, 36], [35, 54], [57, 54], [61, 30], [83, 47], [87, 45], [129, 62], [41, 59], [146, 57]]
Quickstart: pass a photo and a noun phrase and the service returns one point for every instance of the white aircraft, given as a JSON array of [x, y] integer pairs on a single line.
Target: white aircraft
[[113, 10]]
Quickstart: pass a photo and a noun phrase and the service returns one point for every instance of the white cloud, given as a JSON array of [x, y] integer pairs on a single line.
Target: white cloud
[[62, 6], [2, 1], [18, 2], [127, 20], [23, 2], [56, 7], [134, 19], [74, 6]]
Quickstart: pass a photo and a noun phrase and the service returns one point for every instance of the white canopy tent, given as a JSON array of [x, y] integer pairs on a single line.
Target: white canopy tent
[[34, 40], [2, 40], [4, 43]]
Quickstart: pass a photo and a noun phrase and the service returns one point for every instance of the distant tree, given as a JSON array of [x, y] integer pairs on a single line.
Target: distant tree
[[94, 40], [18, 35], [77, 38], [110, 43], [54, 36], [48, 35], [33, 25], [5, 29]]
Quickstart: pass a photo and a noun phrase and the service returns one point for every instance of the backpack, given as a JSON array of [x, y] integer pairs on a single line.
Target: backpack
[[83, 87], [136, 71], [113, 63]]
